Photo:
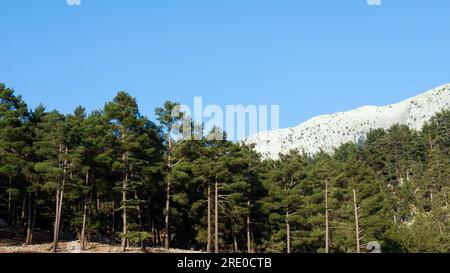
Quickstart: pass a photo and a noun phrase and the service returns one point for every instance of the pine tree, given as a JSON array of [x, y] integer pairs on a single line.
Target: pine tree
[[33, 177], [286, 190], [127, 126], [169, 118], [52, 162], [13, 136]]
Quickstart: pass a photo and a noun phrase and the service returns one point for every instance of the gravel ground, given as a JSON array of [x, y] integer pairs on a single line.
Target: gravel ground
[[7, 246]]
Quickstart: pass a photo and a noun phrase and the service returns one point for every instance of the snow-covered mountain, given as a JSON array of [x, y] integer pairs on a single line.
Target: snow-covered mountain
[[330, 131]]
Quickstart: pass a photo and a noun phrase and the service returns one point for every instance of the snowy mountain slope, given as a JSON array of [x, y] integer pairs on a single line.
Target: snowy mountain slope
[[330, 131]]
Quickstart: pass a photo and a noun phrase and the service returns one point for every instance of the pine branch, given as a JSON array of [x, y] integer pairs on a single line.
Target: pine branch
[[179, 161]]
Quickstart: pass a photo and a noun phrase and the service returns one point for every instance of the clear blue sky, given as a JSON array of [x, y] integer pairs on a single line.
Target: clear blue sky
[[310, 57]]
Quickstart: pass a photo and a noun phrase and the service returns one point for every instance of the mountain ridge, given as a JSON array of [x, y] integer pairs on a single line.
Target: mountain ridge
[[329, 131]]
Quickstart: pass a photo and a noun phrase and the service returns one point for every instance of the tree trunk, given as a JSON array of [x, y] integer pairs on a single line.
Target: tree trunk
[[358, 247], [59, 202], [150, 221], [446, 199], [236, 246], [139, 214], [24, 204], [29, 221], [154, 233], [288, 232], [158, 236], [34, 218], [83, 229], [327, 234], [155, 242], [98, 202], [167, 216], [124, 212], [11, 214], [209, 246], [55, 229], [216, 217], [58, 228], [166, 220], [113, 216], [249, 234]]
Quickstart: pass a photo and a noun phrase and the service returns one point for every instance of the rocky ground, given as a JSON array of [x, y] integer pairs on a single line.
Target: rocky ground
[[11, 241], [8, 246]]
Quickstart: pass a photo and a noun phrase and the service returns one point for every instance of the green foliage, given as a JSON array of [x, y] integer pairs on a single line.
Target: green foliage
[[115, 160]]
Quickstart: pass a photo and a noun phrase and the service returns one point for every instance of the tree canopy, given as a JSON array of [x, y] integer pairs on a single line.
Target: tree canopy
[[115, 176]]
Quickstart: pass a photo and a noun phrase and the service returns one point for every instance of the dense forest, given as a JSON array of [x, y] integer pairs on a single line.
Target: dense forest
[[115, 176]]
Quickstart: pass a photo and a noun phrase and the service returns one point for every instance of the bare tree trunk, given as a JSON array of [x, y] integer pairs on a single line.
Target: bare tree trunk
[[209, 246], [167, 216], [98, 202], [249, 234], [13, 213], [61, 197], [34, 218], [288, 232], [55, 229], [113, 214], [236, 247], [139, 214], [440, 228], [216, 217], [83, 229], [29, 221], [158, 235], [59, 200], [124, 212], [10, 210], [24, 204], [446, 199], [155, 235], [60, 203], [327, 234], [358, 247], [150, 221]]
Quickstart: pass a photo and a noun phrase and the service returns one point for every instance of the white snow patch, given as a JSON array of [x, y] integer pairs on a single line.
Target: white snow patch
[[328, 132]]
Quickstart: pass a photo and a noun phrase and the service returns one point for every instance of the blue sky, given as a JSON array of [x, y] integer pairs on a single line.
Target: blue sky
[[310, 57]]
